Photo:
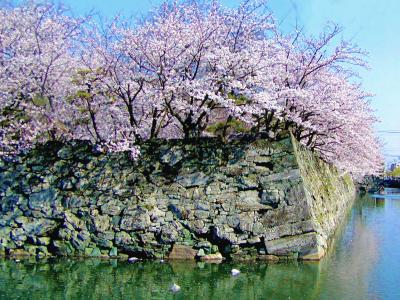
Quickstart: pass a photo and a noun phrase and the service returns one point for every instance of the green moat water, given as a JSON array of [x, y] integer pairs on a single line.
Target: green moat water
[[364, 263]]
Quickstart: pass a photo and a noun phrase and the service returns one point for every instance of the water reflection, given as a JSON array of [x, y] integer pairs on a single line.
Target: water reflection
[[99, 279], [388, 193], [363, 264], [348, 267]]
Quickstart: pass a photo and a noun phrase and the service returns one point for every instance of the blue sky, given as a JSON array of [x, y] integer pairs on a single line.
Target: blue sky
[[372, 24]]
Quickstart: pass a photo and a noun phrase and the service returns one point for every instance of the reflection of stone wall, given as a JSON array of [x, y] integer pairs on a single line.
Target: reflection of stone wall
[[112, 279], [245, 199]]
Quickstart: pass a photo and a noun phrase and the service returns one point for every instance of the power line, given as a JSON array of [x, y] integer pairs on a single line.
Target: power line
[[389, 131]]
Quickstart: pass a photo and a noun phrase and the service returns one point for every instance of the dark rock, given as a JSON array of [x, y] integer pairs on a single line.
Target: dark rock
[[103, 241], [192, 180], [18, 235], [139, 221], [178, 211], [4, 235], [123, 238], [66, 185], [233, 221], [73, 222], [172, 157], [115, 221], [76, 202], [270, 198], [112, 208], [63, 248], [7, 179], [42, 199], [202, 206], [9, 203], [65, 153], [78, 243], [113, 252], [286, 175], [95, 252], [101, 223], [201, 214], [84, 235], [170, 233], [42, 251], [43, 241], [39, 227]]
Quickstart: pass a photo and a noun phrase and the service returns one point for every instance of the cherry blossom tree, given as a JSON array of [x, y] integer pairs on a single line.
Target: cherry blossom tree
[[37, 45], [189, 69], [315, 97], [104, 119], [194, 56]]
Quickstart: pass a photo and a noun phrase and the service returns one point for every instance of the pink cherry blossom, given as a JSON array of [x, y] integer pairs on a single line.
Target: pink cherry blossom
[[187, 66]]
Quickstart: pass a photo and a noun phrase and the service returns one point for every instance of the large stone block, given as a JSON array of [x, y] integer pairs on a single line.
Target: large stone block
[[288, 229], [39, 227], [139, 221], [101, 223], [42, 199], [182, 252], [302, 244], [112, 208]]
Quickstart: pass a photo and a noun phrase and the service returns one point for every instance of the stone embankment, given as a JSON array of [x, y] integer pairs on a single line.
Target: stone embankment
[[248, 199]]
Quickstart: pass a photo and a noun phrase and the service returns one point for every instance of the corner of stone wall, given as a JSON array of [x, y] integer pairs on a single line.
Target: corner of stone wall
[[328, 193]]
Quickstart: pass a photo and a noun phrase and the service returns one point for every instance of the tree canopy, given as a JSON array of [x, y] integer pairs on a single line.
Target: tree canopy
[[189, 69], [394, 173]]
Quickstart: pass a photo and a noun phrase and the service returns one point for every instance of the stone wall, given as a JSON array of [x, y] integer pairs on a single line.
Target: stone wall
[[245, 199]]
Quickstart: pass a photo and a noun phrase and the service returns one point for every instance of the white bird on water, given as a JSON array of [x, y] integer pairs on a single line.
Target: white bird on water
[[235, 272], [133, 259], [175, 288]]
